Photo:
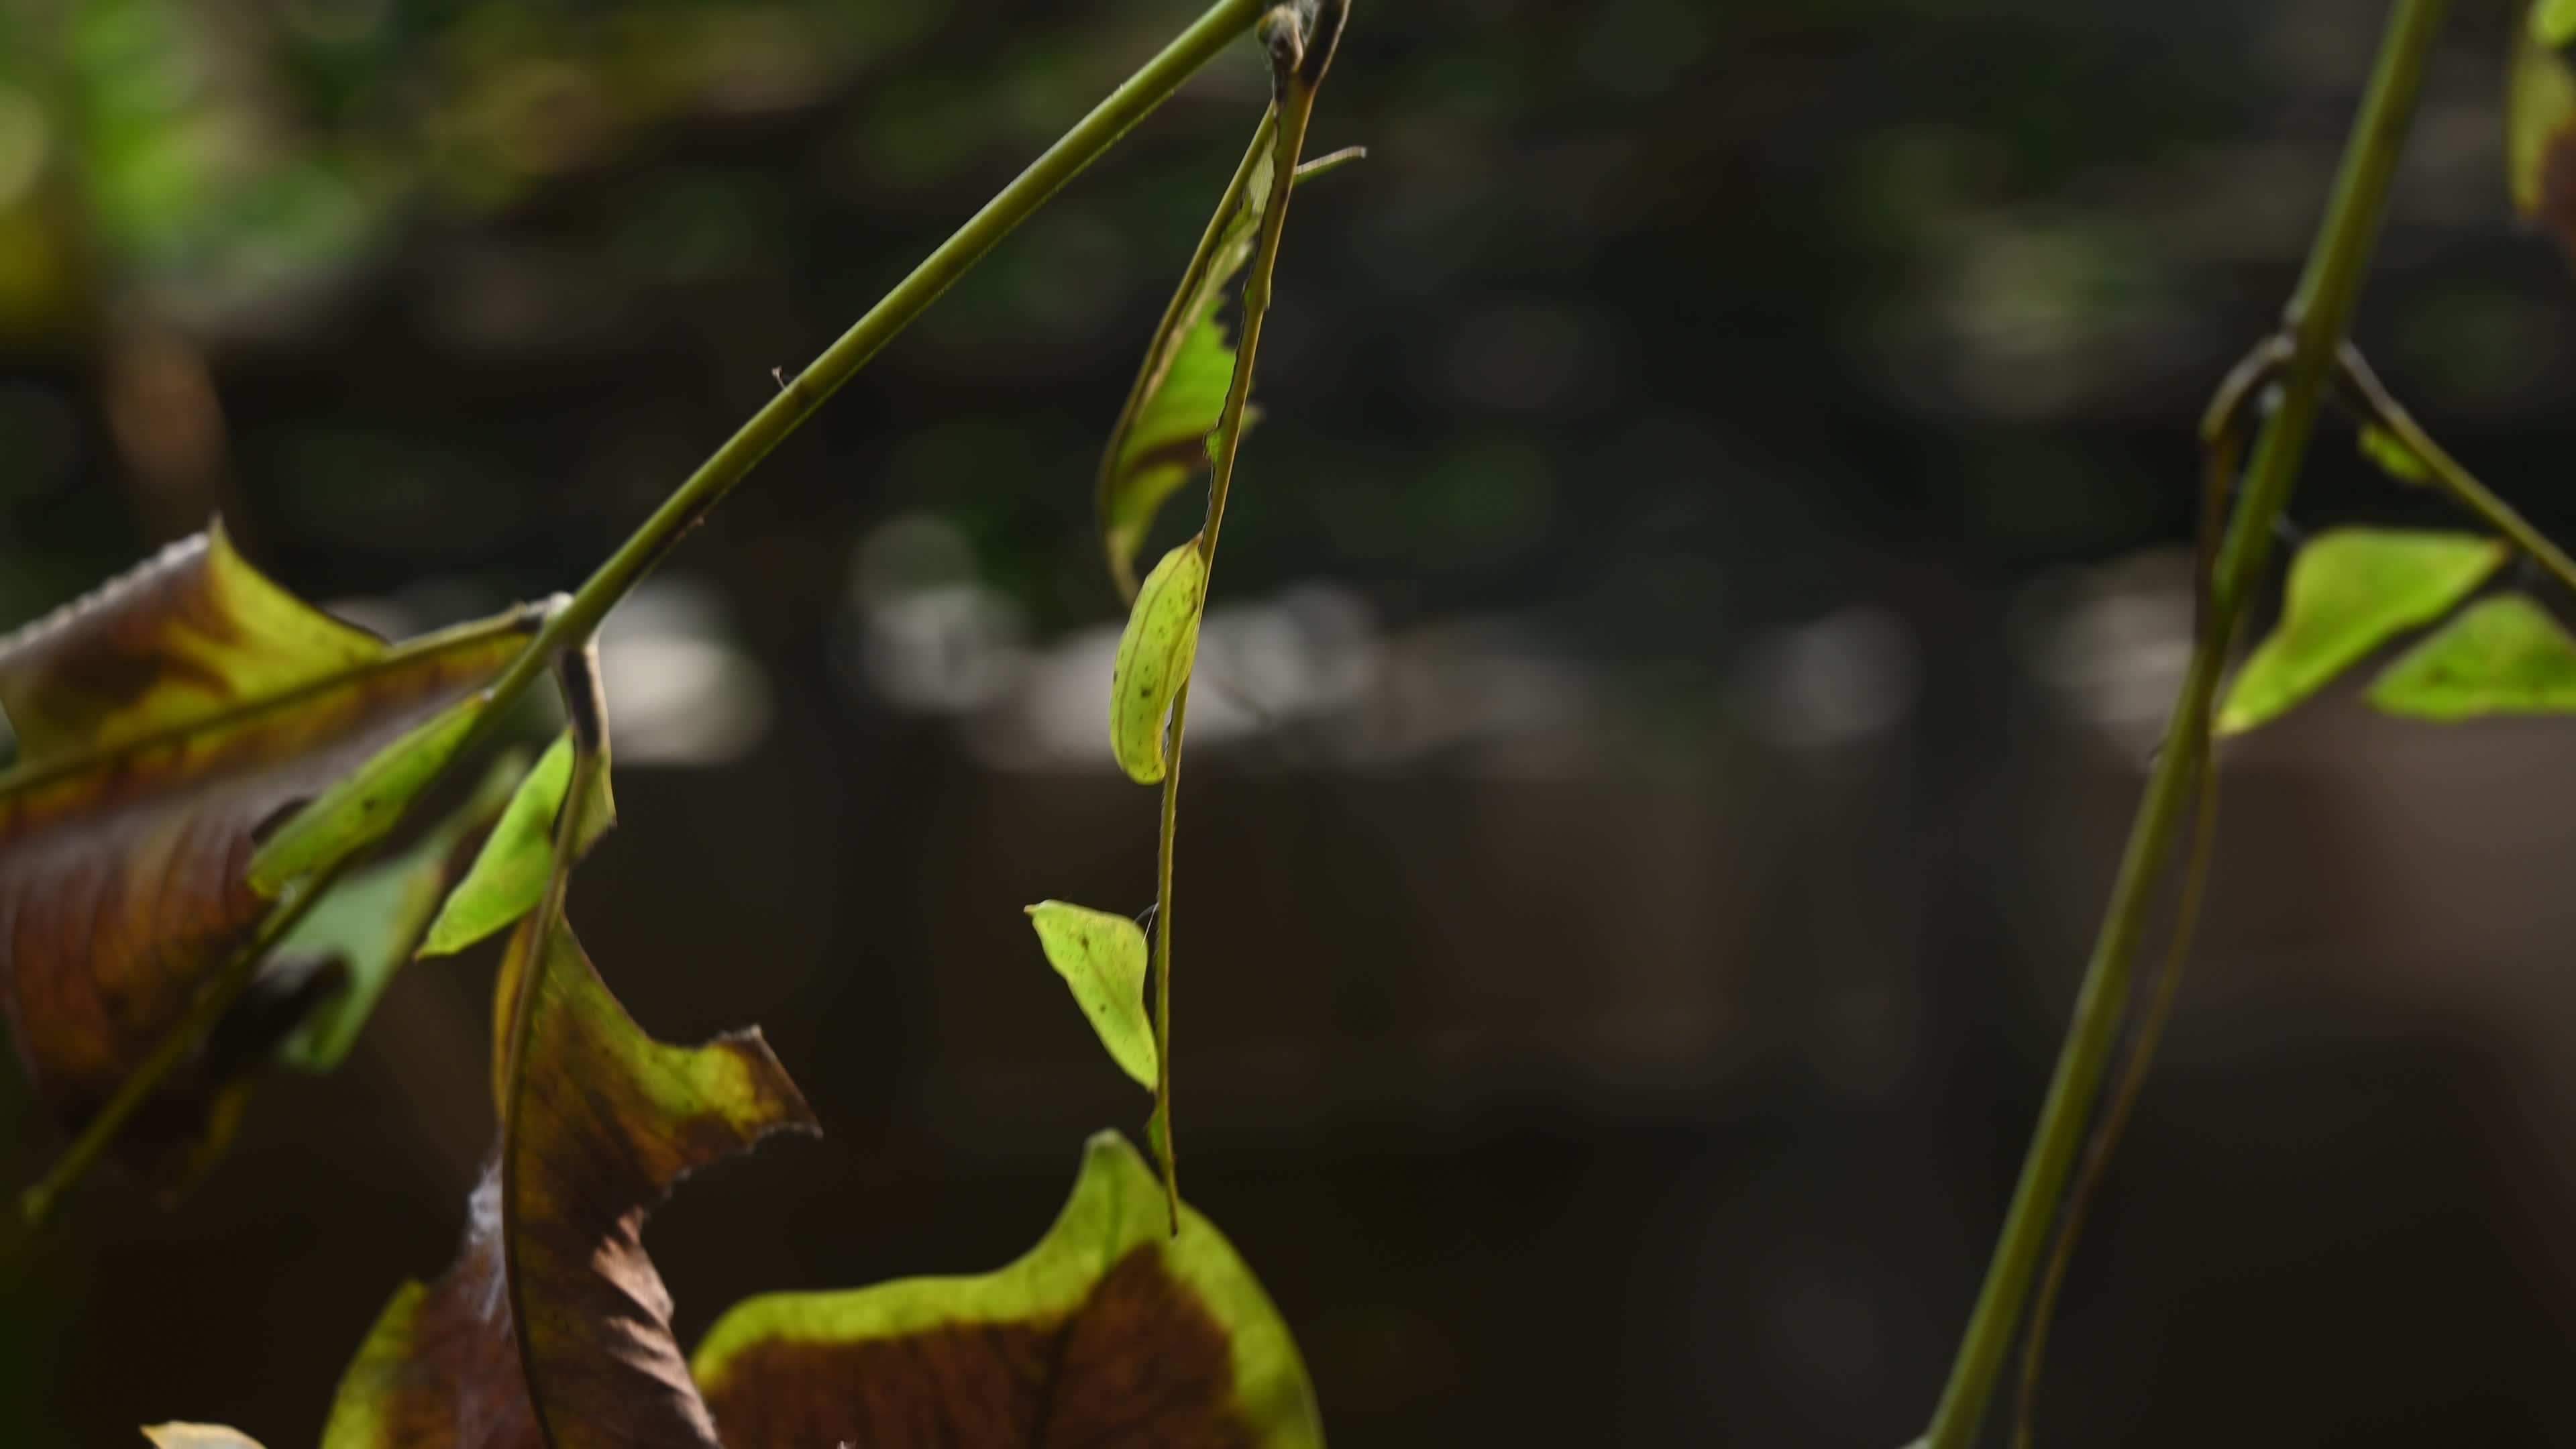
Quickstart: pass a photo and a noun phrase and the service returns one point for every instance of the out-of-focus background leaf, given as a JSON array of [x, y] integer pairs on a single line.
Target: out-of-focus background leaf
[[1690, 628]]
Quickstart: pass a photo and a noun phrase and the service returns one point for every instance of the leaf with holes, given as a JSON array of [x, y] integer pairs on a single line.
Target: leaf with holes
[[161, 721], [2351, 591], [510, 871], [1102, 958], [1155, 653], [2504, 655], [553, 1327], [1112, 1332]]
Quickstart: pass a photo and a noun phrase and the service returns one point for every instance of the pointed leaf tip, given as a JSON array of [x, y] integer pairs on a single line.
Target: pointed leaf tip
[[163, 719], [1155, 654], [2351, 591], [509, 873], [2502, 656], [1102, 958]]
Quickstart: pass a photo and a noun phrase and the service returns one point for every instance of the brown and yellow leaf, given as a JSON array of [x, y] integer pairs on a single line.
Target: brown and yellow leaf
[[553, 1314], [2540, 129], [1111, 1333], [162, 720]]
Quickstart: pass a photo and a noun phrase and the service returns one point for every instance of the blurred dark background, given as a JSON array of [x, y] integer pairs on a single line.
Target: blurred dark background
[[1692, 625]]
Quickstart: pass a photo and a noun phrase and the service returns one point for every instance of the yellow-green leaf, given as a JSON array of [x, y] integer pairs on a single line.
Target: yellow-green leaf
[[509, 873], [2393, 458], [369, 924], [1113, 1332], [1102, 958], [2553, 22], [363, 806], [163, 720], [1155, 653], [1158, 443], [2504, 655], [2351, 591]]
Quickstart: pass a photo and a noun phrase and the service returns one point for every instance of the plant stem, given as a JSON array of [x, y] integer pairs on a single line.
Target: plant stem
[[2447, 474], [1166, 847], [1222, 23], [2319, 313], [1292, 107]]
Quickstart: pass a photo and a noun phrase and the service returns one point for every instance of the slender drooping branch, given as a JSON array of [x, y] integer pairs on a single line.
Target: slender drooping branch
[[579, 617], [1298, 62], [2319, 314], [2377, 406]]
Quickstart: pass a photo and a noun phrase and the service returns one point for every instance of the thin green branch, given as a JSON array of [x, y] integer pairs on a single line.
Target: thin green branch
[[579, 618], [2124, 1100], [2378, 406], [1299, 61], [2319, 314]]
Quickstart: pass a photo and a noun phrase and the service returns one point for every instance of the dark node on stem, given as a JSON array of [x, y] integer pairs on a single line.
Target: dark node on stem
[[1320, 40], [1282, 34], [584, 695]]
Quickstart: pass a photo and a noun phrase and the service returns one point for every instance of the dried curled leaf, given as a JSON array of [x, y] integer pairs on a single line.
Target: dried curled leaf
[[1111, 1333], [1102, 958], [2351, 591], [1155, 653], [509, 873], [553, 1327], [162, 720], [2504, 655]]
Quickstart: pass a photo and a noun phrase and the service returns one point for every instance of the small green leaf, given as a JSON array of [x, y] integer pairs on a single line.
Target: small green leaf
[[371, 921], [1154, 658], [2553, 22], [2540, 123], [509, 873], [2504, 655], [2393, 458], [2351, 591], [1102, 957], [362, 807]]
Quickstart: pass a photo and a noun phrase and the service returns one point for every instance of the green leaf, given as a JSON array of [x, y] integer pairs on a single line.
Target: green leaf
[[2351, 591], [1102, 957], [1112, 1332], [2393, 457], [162, 720], [362, 807], [2540, 124], [370, 922], [2504, 655], [1158, 443], [1155, 653], [509, 873], [2553, 22]]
